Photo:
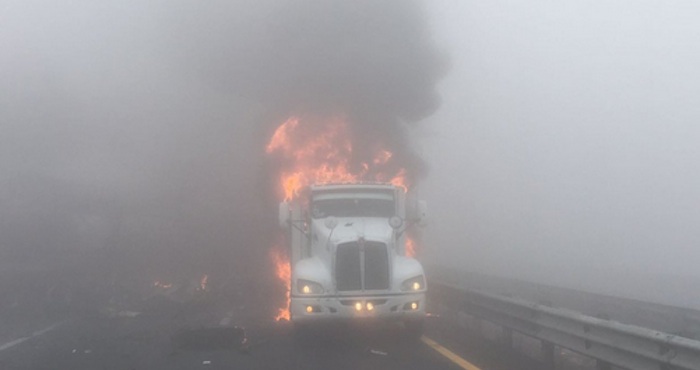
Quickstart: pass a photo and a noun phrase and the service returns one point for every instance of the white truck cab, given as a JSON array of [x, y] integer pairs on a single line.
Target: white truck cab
[[348, 254]]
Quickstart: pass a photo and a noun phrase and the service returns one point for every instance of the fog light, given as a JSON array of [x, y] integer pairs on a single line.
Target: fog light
[[358, 306], [306, 290], [309, 309], [370, 306], [414, 305]]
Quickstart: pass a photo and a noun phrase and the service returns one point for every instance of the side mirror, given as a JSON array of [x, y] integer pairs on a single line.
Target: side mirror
[[395, 222], [284, 215], [422, 213]]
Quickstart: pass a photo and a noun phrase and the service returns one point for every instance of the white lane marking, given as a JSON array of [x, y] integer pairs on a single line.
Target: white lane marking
[[13, 343], [226, 321], [37, 333]]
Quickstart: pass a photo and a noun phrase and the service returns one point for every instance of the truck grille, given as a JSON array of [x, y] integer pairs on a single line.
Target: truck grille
[[348, 272], [362, 266]]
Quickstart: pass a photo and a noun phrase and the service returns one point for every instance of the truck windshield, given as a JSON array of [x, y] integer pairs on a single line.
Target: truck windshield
[[352, 208]]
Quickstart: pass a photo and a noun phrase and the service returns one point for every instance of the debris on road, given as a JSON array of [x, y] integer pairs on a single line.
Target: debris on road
[[206, 362], [378, 352]]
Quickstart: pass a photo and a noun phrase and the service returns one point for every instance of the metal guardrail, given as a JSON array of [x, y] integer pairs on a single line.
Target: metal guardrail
[[674, 319], [610, 342]]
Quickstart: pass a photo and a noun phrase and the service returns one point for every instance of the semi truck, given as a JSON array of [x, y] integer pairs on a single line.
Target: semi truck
[[348, 255]]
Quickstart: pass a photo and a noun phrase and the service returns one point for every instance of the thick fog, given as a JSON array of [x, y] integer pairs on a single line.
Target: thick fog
[[134, 133], [108, 144], [554, 141], [566, 148]]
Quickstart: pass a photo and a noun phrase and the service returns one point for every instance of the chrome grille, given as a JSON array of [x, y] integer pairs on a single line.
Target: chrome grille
[[362, 266], [348, 272]]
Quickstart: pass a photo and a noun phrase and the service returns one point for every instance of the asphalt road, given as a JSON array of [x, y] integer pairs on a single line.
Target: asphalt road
[[201, 335]]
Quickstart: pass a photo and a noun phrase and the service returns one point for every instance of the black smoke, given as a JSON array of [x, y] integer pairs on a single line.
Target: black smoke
[[134, 132], [373, 62]]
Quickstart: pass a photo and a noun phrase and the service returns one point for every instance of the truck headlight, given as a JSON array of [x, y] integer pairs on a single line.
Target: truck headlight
[[413, 284], [309, 287]]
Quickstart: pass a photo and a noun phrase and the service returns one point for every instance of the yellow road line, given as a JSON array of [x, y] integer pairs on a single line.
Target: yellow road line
[[464, 364]]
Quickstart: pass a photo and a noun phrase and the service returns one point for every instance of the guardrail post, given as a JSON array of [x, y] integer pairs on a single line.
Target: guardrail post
[[548, 355]]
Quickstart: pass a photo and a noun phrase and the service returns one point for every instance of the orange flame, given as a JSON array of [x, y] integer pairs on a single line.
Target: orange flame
[[284, 273], [410, 247], [203, 282], [159, 284], [318, 154], [323, 156], [383, 157]]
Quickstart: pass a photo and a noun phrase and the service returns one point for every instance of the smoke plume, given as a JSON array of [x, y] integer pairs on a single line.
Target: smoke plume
[[372, 62], [137, 130]]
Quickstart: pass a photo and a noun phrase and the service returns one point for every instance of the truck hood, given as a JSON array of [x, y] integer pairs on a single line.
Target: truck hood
[[353, 228]]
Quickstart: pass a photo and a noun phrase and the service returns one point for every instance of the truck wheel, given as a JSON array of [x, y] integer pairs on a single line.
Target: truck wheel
[[415, 328]]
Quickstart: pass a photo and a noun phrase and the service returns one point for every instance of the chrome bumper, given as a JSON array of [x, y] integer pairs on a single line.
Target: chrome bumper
[[390, 307]]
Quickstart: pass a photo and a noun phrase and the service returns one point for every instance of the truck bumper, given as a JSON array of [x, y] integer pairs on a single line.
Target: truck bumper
[[390, 307]]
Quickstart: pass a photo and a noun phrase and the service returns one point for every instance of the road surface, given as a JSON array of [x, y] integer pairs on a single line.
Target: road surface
[[201, 335]]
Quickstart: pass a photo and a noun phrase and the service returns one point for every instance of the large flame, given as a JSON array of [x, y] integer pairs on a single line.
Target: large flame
[[317, 154], [312, 152], [284, 272]]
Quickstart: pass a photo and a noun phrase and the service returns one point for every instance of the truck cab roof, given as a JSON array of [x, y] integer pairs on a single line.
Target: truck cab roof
[[352, 186]]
